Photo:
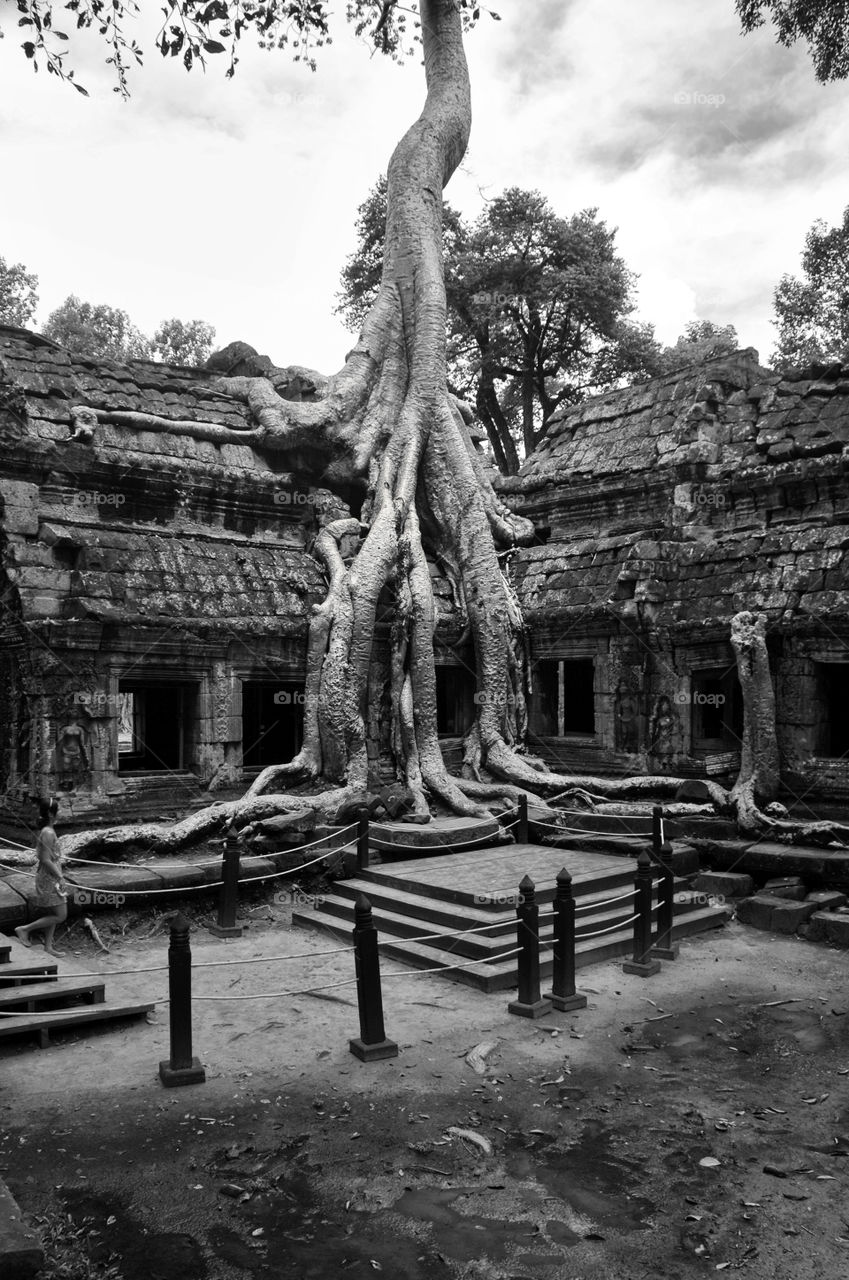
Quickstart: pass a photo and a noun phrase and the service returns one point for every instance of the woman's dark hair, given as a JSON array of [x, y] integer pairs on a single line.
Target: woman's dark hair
[[47, 810]]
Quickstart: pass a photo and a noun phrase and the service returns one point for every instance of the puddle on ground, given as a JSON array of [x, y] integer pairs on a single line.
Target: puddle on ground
[[586, 1175], [459, 1236], [783, 1031], [142, 1254]]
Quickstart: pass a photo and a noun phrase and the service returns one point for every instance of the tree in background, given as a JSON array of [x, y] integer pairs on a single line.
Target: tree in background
[[98, 331], [18, 294], [107, 333], [822, 23], [537, 308], [386, 426], [701, 340], [812, 313], [187, 342]]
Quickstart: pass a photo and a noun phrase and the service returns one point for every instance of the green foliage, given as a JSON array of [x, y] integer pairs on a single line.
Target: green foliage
[[701, 340], [812, 314], [98, 331], [824, 24], [187, 342], [107, 333], [538, 309], [18, 294], [193, 30]]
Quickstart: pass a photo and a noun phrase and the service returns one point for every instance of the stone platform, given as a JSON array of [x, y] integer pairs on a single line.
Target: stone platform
[[464, 890]]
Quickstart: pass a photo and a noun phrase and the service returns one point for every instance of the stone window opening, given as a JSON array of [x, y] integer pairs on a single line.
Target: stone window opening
[[455, 700], [564, 698], [272, 722], [156, 724], [717, 710], [833, 699]]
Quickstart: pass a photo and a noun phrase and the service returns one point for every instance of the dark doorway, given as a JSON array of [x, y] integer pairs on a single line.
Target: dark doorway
[[272, 722], [717, 710], [563, 701], [834, 700], [455, 700], [154, 726]]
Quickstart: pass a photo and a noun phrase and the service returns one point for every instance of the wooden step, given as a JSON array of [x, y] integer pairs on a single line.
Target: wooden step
[[42, 1024], [11, 973], [42, 995], [405, 881]]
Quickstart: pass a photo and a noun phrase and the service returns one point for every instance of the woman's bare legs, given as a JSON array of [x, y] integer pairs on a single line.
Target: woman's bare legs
[[48, 923]]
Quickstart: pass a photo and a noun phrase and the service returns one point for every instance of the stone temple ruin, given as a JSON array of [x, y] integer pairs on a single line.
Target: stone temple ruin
[[155, 588]]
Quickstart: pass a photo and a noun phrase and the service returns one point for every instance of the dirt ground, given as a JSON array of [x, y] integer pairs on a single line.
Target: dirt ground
[[693, 1122]]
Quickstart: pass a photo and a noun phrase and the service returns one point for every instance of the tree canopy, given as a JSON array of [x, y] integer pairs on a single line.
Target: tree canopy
[[107, 333], [812, 313], [195, 30], [701, 340], [18, 294], [537, 310], [823, 24]]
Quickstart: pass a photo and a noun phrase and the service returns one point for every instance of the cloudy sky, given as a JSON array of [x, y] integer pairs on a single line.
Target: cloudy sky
[[234, 201]]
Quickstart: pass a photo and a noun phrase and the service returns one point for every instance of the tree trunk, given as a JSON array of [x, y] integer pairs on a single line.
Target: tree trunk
[[387, 421]]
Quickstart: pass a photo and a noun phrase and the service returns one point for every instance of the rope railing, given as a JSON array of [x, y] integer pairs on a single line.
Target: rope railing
[[212, 862], [562, 941], [620, 924], [189, 888], [608, 902], [443, 968]]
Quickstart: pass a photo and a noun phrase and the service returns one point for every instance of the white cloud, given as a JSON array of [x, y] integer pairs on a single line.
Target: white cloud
[[234, 201]]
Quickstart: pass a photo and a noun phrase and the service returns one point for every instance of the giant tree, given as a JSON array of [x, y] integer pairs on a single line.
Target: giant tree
[[538, 311], [387, 423]]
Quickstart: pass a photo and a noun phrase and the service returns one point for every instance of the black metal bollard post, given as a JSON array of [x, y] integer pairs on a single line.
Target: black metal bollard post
[[363, 852], [522, 823], [664, 948], [530, 1003], [228, 898], [372, 1043], [182, 1067], [563, 995], [642, 964]]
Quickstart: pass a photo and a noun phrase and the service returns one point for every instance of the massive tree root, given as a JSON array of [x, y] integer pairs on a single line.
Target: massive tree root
[[387, 424]]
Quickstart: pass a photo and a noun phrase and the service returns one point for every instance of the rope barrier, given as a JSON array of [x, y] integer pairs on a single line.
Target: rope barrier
[[14, 844], [279, 995], [597, 906], [443, 968], [141, 866], [192, 888], [579, 937], [454, 933]]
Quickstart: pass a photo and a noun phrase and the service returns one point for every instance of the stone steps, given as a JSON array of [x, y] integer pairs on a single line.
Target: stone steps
[[457, 892], [61, 1000]]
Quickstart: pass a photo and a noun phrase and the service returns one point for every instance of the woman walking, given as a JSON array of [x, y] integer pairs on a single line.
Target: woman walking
[[50, 895]]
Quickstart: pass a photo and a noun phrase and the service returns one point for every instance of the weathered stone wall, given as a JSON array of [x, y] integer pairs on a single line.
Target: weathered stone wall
[[672, 506]]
